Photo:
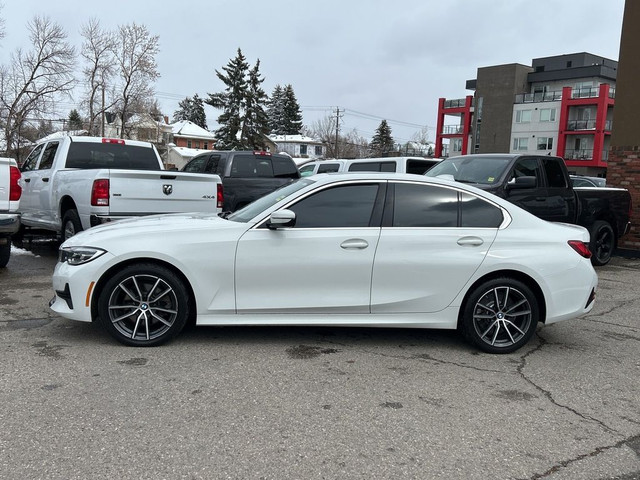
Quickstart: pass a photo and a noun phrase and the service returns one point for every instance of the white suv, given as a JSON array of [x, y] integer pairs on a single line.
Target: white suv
[[416, 165]]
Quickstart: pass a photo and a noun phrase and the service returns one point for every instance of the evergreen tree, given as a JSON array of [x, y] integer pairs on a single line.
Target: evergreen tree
[[292, 122], [191, 109], [231, 101], [382, 142], [255, 124], [75, 120], [275, 111]]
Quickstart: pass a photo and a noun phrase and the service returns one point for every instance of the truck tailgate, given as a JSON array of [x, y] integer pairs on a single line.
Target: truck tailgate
[[163, 191]]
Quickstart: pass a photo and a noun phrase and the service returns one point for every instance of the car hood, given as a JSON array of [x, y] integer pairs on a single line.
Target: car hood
[[153, 226]]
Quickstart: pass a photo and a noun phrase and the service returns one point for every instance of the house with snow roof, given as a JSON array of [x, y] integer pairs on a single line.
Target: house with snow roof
[[188, 140], [299, 146]]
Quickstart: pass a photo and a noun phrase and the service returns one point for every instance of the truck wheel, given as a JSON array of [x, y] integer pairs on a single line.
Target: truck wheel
[[70, 224], [5, 253], [143, 305], [602, 244], [500, 315]]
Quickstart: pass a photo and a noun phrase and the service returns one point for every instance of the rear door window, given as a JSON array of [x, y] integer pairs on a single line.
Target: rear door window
[[554, 172], [424, 206], [47, 157], [328, 167], [284, 167]]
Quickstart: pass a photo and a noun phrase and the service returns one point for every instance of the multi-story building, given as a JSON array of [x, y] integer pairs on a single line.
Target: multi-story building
[[560, 105]]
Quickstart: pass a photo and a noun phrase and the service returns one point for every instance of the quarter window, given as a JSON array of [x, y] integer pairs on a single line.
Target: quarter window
[[478, 213], [348, 206]]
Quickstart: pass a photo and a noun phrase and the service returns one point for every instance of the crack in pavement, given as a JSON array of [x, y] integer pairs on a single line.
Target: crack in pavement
[[629, 442], [548, 394]]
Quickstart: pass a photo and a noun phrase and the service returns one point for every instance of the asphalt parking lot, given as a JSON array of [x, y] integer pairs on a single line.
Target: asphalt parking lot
[[313, 403]]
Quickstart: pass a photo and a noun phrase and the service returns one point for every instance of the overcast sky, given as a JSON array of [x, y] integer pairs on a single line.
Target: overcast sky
[[375, 59]]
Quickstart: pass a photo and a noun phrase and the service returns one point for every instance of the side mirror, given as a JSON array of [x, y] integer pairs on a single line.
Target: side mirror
[[522, 182], [281, 219]]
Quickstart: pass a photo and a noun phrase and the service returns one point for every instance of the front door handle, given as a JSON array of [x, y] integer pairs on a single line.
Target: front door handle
[[27, 180], [470, 241], [354, 243], [45, 179]]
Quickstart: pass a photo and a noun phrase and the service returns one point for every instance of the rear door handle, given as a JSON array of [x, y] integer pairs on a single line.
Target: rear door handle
[[45, 179], [470, 241], [27, 180], [354, 244]]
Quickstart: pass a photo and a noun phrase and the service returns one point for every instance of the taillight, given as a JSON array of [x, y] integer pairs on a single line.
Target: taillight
[[220, 196], [15, 190], [100, 193], [580, 247], [117, 141]]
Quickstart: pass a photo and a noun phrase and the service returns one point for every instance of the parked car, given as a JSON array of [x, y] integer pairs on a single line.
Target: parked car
[[416, 165], [540, 184], [578, 181], [73, 183], [10, 193], [355, 249], [246, 175]]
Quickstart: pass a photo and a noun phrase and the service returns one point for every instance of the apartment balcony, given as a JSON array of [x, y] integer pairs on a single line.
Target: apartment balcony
[[452, 130], [539, 97], [574, 125], [591, 92], [457, 103], [584, 154]]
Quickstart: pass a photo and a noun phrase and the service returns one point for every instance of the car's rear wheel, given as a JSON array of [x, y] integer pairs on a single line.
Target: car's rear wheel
[[143, 305], [500, 315], [5, 252], [602, 244], [70, 224]]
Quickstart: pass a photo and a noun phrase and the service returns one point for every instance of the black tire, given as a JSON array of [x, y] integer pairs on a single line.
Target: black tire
[[602, 243], [70, 224], [500, 315], [143, 305], [5, 253]]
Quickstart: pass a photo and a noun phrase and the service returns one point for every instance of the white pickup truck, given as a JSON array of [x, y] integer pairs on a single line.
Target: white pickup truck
[[10, 192], [73, 183]]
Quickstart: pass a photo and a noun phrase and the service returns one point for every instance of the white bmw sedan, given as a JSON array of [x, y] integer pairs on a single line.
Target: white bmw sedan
[[367, 249]]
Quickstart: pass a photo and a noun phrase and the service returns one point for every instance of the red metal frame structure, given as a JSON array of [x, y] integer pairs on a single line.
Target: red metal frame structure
[[460, 108], [602, 102]]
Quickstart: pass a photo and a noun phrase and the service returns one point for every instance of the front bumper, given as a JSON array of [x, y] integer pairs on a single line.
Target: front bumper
[[9, 223]]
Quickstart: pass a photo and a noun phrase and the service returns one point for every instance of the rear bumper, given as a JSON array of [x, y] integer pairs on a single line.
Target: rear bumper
[[9, 223]]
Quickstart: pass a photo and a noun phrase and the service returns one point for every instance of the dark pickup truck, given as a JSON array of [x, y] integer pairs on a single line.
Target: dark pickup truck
[[246, 175], [541, 185]]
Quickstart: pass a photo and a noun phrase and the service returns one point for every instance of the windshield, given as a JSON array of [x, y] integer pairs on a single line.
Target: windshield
[[263, 203], [482, 170]]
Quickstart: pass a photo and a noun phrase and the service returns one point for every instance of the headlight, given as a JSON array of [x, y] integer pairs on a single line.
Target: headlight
[[79, 255]]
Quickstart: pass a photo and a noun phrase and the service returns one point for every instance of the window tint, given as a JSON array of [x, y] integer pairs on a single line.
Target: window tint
[[347, 206], [111, 155], [47, 157], [555, 173], [32, 159], [196, 165], [244, 166], [388, 167], [527, 167], [476, 212], [365, 167], [329, 167], [425, 206], [418, 167], [212, 164], [284, 167]]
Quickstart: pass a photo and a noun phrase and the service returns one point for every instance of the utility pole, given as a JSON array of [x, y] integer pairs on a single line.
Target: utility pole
[[338, 116]]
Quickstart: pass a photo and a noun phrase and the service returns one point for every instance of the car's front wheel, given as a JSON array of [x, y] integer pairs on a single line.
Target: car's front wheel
[[143, 305], [500, 315]]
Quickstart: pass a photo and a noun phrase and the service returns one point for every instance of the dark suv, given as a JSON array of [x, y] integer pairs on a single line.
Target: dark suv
[[246, 175]]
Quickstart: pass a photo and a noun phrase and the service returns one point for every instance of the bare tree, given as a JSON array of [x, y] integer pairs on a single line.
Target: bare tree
[[135, 54], [351, 145], [2, 32], [97, 51], [33, 79]]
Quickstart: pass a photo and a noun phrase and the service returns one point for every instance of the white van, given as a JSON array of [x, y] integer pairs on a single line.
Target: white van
[[416, 165]]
